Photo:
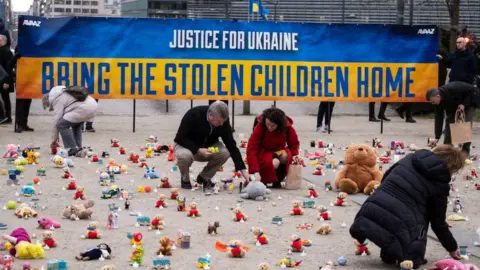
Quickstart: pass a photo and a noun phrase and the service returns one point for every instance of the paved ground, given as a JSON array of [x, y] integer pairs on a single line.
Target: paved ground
[[346, 130]]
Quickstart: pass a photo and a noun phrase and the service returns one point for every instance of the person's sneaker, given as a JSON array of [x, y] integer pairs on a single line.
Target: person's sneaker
[[277, 184], [5, 121], [207, 184], [410, 120], [3, 226], [319, 129], [90, 130], [27, 128], [186, 185], [73, 151]]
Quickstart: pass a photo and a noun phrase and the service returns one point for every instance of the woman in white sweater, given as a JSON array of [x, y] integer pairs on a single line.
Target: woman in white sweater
[[70, 113]]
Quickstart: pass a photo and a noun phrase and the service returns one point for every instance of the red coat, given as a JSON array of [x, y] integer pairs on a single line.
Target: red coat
[[260, 151]]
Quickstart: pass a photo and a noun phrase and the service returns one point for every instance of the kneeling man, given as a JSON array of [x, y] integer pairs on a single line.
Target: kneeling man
[[200, 129]]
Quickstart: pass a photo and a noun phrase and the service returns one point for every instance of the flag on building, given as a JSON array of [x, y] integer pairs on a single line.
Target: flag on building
[[256, 7]]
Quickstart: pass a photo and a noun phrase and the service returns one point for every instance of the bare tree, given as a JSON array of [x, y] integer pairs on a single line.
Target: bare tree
[[453, 7]]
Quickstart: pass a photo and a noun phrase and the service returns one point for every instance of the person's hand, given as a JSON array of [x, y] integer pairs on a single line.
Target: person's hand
[[296, 159], [461, 107], [204, 152], [439, 57], [6, 85], [245, 175], [455, 255], [257, 177]]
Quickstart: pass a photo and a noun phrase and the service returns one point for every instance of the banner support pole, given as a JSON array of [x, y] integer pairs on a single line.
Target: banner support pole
[[329, 117], [191, 103], [134, 113], [381, 125], [167, 106], [233, 115]]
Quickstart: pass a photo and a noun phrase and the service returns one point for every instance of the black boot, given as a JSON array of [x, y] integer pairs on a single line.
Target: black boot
[[384, 118], [373, 119], [410, 120], [281, 174]]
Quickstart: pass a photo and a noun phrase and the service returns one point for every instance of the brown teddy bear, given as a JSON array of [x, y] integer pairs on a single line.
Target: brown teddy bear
[[109, 267], [324, 229], [296, 209], [79, 194], [48, 239], [239, 215], [193, 212], [360, 172], [157, 223], [264, 266], [260, 236], [165, 247], [25, 211], [78, 211], [92, 232]]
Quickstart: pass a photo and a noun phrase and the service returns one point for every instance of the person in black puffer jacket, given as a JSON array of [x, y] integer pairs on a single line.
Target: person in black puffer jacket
[[414, 192]]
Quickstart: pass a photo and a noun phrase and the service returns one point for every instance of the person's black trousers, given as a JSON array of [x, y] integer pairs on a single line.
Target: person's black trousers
[[407, 109], [371, 109], [211, 101], [325, 109], [22, 110], [7, 105]]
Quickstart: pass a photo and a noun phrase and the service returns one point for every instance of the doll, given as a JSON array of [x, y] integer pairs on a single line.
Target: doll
[[341, 198], [6, 262], [193, 212], [48, 240], [100, 251], [311, 191], [19, 245], [113, 216], [239, 215], [297, 209], [260, 236], [79, 194], [161, 201]]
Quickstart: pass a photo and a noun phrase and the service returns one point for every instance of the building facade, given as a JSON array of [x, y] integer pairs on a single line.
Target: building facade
[[57, 8], [155, 8]]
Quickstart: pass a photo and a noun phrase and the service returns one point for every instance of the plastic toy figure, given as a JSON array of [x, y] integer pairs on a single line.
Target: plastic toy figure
[[28, 190], [137, 255]]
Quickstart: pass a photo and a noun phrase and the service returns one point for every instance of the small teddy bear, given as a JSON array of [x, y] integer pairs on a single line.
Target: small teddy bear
[[239, 215], [193, 212], [79, 194], [157, 223], [297, 245], [324, 229], [362, 248], [92, 232], [264, 266], [173, 193], [165, 247], [236, 249], [66, 173], [312, 193], [48, 240], [161, 201], [341, 198], [212, 227], [323, 213], [260, 236], [297, 209], [406, 265]]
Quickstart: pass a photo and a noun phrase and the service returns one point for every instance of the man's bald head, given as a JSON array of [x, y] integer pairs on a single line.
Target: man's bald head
[[461, 43]]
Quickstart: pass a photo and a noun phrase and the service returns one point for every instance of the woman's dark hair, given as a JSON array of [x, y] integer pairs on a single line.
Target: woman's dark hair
[[454, 158], [276, 116]]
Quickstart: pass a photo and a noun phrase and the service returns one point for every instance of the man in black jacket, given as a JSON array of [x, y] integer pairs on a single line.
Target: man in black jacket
[[448, 99], [413, 194], [6, 86], [200, 129], [462, 63]]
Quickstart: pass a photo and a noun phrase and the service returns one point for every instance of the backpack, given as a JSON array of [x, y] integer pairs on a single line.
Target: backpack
[[78, 92]]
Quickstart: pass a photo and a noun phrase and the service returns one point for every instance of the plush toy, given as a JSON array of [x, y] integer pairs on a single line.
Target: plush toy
[[288, 262], [6, 262], [362, 248], [239, 216], [47, 224], [318, 170], [92, 232], [149, 152], [212, 227], [171, 155], [165, 247], [396, 144], [359, 172], [79, 194], [376, 143], [297, 244], [62, 162], [451, 264], [122, 150], [72, 184], [323, 213], [78, 211], [104, 179], [296, 208], [161, 201], [157, 223], [28, 190], [174, 193], [95, 157], [260, 236], [193, 212], [114, 142], [108, 267], [100, 251], [328, 185], [311, 191], [32, 157], [133, 157], [150, 173], [164, 183], [48, 240], [324, 229], [135, 238], [341, 198], [181, 203], [408, 265], [11, 152], [66, 173], [243, 143], [234, 248], [255, 190], [25, 211]]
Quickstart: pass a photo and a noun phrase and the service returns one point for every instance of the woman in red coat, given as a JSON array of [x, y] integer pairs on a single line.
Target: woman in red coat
[[272, 147]]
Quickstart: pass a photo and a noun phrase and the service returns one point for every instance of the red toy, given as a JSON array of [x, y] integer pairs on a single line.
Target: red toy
[[239, 215], [48, 239], [114, 143], [320, 144], [323, 213], [193, 212], [474, 173], [236, 175], [161, 201], [79, 194], [164, 183], [297, 244], [384, 159], [311, 191], [174, 193], [296, 210], [54, 147], [72, 185], [171, 155], [243, 144], [342, 196], [122, 150], [95, 158], [362, 248], [133, 158]]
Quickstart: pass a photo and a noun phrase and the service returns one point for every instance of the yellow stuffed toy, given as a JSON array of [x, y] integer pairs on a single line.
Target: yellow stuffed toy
[[26, 250]]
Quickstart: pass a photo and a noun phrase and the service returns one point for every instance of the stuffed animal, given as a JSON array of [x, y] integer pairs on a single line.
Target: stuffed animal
[[149, 152], [341, 198], [92, 231], [296, 209], [25, 211], [264, 266], [362, 248], [260, 236], [288, 262], [193, 212], [165, 247], [311, 191], [150, 173], [6, 262], [451, 264], [100, 251], [174, 193], [407, 265], [161, 201], [122, 150], [297, 245], [47, 224], [157, 223], [114, 142], [11, 152], [72, 184], [239, 216], [212, 228], [255, 190], [78, 211], [181, 203], [32, 157], [324, 229], [108, 267], [164, 183], [66, 173], [79, 194], [359, 172], [323, 213], [133, 157], [95, 157], [48, 240]]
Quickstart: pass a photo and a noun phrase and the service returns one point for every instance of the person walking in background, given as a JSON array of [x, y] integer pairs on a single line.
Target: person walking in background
[[325, 110], [462, 63], [22, 106], [6, 86], [272, 147], [381, 113], [89, 124], [405, 110], [4, 32]]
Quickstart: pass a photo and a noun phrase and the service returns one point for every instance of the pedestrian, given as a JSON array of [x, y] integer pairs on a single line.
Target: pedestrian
[[272, 147], [325, 110], [381, 113], [413, 194], [199, 130], [5, 32], [72, 106], [6, 86], [462, 63], [89, 124], [448, 99], [22, 105], [405, 110]]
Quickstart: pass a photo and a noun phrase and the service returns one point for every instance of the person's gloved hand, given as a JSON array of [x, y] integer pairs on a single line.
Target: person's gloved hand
[[455, 255]]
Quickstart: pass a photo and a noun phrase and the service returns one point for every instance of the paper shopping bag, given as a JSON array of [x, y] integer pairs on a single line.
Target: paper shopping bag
[[294, 177], [460, 131]]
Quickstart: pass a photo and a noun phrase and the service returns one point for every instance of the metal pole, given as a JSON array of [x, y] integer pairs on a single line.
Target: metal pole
[[233, 115], [329, 117], [167, 105], [343, 16], [411, 12], [381, 125], [191, 103], [134, 113]]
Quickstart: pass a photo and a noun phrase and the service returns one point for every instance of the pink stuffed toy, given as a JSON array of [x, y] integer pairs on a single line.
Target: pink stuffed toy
[[12, 151], [46, 223], [450, 264]]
